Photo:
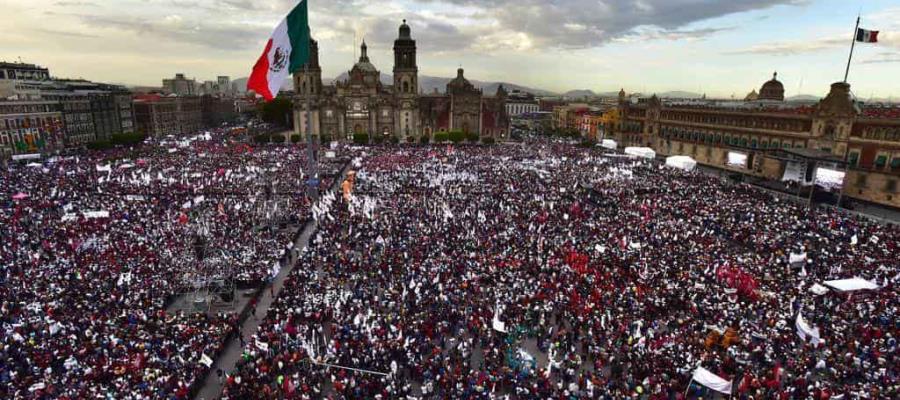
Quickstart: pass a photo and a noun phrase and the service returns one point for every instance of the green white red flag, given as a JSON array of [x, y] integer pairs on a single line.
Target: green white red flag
[[286, 51], [866, 36]]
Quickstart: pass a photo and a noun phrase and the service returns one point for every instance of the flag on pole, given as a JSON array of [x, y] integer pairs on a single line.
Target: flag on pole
[[286, 51], [866, 36]]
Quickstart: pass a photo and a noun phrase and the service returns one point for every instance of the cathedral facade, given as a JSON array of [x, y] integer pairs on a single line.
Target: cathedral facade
[[398, 112]]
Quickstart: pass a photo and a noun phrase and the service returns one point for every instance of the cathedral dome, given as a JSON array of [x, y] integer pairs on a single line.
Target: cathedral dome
[[404, 31], [772, 90], [364, 64]]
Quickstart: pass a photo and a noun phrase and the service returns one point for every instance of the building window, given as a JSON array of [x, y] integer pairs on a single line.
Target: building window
[[881, 161], [853, 159]]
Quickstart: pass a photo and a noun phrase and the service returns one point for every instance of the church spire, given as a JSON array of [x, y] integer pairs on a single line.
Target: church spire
[[364, 57]]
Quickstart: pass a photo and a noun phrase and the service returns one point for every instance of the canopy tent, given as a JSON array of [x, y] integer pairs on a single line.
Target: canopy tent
[[609, 144], [847, 285], [645, 152], [681, 162]]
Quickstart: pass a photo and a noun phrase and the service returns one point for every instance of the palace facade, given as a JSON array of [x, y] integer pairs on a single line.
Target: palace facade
[[836, 131], [362, 104]]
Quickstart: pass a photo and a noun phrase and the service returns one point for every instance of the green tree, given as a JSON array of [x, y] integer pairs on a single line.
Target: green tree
[[487, 140], [278, 112], [472, 137], [277, 138], [440, 137], [457, 136], [295, 138], [361, 138]]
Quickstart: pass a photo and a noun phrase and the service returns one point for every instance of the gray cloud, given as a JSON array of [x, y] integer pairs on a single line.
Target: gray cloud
[[589, 23], [55, 32], [793, 48], [75, 4], [214, 35], [677, 34]]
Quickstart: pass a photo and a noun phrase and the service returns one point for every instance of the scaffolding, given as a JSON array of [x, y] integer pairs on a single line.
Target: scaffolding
[[209, 275]]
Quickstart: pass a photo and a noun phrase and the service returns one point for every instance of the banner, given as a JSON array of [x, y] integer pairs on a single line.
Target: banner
[[795, 172], [807, 331], [797, 258], [205, 360], [712, 381]]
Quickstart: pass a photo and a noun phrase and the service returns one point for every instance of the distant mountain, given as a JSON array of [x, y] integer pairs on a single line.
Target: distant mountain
[[579, 94], [428, 84], [803, 97], [679, 94]]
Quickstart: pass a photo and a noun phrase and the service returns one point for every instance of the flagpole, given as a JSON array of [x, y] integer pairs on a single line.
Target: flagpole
[[852, 45]]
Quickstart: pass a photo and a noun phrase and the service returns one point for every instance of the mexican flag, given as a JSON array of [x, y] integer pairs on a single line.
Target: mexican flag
[[866, 36], [286, 51]]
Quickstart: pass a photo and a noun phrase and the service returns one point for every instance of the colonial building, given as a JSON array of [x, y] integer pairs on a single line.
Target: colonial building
[[27, 126], [157, 115], [181, 86], [363, 104], [772, 134], [518, 103]]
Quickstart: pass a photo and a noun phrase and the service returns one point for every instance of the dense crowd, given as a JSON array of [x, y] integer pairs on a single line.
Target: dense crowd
[[94, 247], [552, 271]]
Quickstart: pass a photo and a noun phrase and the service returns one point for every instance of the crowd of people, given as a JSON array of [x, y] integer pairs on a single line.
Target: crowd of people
[[546, 270], [94, 248]]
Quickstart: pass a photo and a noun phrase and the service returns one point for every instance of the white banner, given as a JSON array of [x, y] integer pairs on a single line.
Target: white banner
[[797, 258], [205, 360], [807, 331], [712, 381]]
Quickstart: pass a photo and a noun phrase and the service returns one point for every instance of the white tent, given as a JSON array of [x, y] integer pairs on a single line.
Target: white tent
[[711, 380], [645, 152], [681, 162], [609, 144], [847, 285]]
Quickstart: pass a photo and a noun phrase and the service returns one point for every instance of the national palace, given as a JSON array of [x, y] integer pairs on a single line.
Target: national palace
[[837, 131]]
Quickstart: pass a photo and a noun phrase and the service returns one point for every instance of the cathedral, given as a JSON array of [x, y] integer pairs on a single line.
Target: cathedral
[[397, 112]]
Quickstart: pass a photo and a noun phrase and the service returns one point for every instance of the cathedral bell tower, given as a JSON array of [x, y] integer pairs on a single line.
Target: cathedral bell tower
[[308, 83], [406, 83]]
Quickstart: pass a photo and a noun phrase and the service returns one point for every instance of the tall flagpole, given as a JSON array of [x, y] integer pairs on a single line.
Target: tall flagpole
[[852, 45]]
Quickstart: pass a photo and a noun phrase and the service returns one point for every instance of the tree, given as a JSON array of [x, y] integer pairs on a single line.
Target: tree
[[424, 139], [440, 137], [457, 136], [261, 138], [325, 139], [295, 138], [487, 140], [278, 112], [361, 138], [277, 138], [472, 137]]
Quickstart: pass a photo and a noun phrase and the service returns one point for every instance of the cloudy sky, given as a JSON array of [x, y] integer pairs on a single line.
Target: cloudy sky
[[717, 47]]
